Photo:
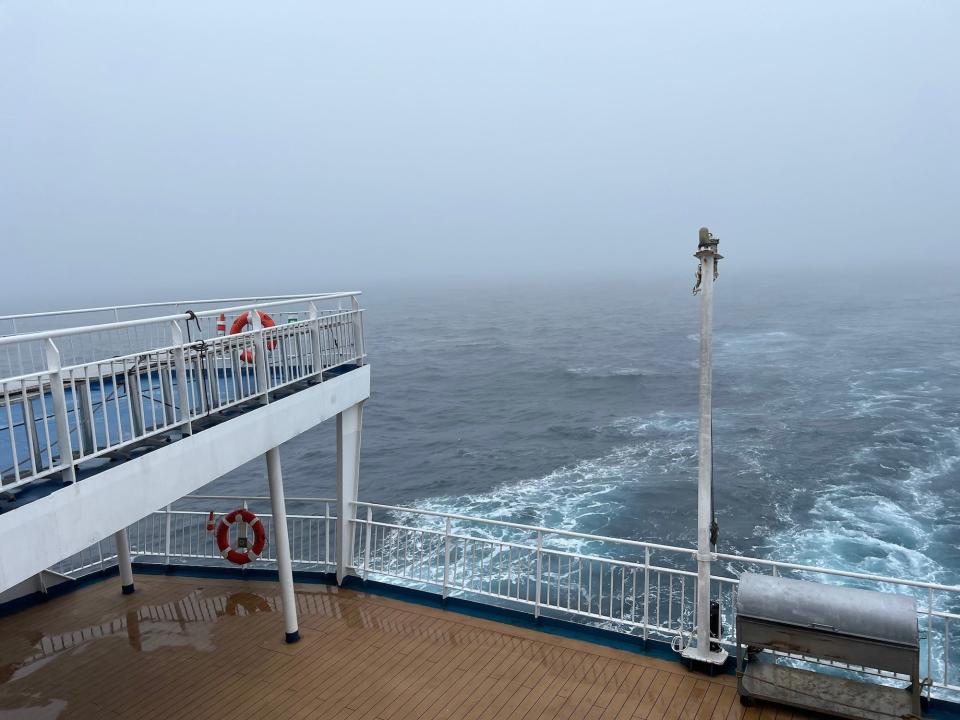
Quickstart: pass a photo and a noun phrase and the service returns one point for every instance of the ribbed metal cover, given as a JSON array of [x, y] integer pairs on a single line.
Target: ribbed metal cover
[[851, 611]]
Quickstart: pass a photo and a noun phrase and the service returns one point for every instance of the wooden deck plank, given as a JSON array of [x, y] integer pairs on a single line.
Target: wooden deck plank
[[201, 648], [515, 659], [711, 698], [404, 668], [636, 694], [652, 694], [665, 698], [432, 676]]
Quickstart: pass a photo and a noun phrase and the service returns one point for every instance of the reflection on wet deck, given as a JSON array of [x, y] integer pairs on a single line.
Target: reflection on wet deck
[[212, 648]]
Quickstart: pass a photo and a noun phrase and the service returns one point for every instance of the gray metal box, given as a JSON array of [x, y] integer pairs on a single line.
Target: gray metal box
[[833, 623]]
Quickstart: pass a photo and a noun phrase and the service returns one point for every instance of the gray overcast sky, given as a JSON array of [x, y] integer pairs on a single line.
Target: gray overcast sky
[[236, 146]]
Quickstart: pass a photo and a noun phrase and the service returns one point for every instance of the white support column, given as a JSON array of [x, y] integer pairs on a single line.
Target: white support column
[[123, 561], [278, 508], [701, 652], [349, 426]]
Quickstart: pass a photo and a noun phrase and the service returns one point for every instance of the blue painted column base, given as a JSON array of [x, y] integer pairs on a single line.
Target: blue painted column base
[[293, 637], [128, 589]]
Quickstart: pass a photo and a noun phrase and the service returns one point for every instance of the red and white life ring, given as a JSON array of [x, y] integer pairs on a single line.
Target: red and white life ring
[[242, 321], [241, 556]]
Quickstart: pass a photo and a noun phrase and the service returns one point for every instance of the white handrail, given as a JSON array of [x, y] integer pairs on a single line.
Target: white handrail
[[669, 548], [137, 306], [254, 497], [843, 573], [86, 329], [531, 528]]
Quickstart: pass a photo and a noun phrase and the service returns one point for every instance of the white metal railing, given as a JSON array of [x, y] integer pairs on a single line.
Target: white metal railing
[[638, 588], [175, 535], [181, 536], [645, 590], [97, 389], [32, 322]]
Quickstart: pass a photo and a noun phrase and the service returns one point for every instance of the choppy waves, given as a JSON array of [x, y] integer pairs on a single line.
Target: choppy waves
[[889, 505], [587, 496], [605, 372]]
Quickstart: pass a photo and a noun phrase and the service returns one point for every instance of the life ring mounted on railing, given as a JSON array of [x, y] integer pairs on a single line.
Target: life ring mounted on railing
[[241, 555], [242, 321]]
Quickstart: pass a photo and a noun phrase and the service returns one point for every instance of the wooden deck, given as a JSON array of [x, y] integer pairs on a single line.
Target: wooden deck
[[203, 648]]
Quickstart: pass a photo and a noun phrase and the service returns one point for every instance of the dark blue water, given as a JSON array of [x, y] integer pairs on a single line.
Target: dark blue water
[[837, 425]]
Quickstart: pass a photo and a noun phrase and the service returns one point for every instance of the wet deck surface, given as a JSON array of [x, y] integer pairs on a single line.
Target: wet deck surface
[[212, 648]]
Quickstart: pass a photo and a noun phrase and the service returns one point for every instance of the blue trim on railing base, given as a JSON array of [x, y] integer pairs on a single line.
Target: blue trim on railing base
[[22, 603], [937, 708], [518, 618], [307, 577]]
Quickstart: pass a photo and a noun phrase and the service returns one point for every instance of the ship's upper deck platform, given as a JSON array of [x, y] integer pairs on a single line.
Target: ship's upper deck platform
[[81, 389]]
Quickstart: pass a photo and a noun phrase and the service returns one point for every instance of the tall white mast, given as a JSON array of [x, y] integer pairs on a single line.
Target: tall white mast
[[706, 274]]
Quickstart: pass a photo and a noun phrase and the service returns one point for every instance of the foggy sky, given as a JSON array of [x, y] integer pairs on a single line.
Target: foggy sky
[[151, 150]]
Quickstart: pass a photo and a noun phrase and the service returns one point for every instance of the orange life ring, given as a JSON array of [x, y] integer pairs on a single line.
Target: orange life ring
[[242, 321], [223, 537]]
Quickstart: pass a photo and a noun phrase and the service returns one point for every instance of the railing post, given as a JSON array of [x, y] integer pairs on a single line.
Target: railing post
[[326, 533], [213, 377], [131, 379], [446, 557], [30, 425], [536, 609], [166, 389], [366, 559], [84, 415], [646, 593], [260, 356], [166, 544], [314, 316], [357, 328], [180, 364], [59, 411]]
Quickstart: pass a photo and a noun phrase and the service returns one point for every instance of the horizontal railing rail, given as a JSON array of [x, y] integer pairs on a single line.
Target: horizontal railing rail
[[176, 317], [116, 310], [100, 397], [645, 590]]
